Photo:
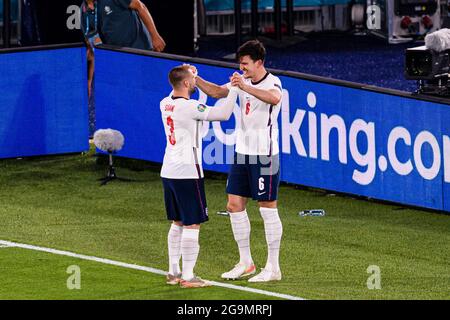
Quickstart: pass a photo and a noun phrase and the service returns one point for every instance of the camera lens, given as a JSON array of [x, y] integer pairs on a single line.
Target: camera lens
[[419, 64]]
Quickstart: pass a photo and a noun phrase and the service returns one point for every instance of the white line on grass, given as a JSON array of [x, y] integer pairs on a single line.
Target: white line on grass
[[137, 267], [4, 246]]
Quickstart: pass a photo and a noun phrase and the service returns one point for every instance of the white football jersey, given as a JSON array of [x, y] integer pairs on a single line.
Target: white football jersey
[[182, 120], [257, 131]]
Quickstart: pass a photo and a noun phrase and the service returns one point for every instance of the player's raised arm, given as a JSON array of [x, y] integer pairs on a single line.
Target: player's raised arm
[[219, 113], [272, 96], [223, 113], [212, 89]]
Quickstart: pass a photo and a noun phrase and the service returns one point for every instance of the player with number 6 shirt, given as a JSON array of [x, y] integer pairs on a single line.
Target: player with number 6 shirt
[[255, 172]]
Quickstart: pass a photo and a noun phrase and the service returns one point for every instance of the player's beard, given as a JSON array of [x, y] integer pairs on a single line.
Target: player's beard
[[246, 74], [192, 90]]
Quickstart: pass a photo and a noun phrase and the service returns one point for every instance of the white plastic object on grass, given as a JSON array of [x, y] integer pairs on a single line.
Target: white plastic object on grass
[[312, 213]]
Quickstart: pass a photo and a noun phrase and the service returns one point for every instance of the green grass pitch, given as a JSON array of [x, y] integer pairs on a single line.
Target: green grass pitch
[[56, 202], [36, 275]]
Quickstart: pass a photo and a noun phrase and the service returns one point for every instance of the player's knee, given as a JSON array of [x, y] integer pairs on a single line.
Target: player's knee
[[234, 207], [268, 204]]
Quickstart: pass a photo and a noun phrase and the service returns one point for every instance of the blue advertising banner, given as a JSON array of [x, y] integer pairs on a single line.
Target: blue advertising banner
[[365, 143], [333, 137], [43, 102], [128, 91]]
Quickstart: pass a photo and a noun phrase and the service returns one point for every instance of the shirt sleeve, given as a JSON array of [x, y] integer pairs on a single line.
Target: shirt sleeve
[[202, 112], [124, 3], [83, 16], [223, 112], [199, 111], [277, 85]]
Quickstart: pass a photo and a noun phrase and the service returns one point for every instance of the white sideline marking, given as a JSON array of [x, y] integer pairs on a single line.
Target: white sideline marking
[[137, 267], [4, 246]]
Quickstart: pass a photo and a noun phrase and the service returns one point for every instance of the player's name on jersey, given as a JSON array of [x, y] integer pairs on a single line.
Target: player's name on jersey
[[169, 107]]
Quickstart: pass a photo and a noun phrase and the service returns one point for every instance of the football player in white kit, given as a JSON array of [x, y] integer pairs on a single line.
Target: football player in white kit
[[255, 172], [182, 173]]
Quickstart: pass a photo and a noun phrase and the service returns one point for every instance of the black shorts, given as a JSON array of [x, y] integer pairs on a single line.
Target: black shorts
[[185, 200], [256, 177]]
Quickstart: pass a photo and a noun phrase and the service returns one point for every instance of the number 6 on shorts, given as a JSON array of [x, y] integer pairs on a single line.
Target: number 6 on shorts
[[261, 184]]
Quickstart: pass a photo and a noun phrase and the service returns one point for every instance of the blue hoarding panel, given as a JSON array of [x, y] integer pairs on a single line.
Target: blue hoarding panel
[[361, 142], [445, 121], [128, 91], [332, 137], [43, 102]]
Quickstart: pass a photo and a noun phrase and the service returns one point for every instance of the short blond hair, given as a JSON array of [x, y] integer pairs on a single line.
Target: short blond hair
[[178, 75]]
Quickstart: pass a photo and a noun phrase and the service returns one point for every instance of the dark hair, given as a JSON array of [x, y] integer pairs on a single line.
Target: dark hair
[[177, 75], [253, 48]]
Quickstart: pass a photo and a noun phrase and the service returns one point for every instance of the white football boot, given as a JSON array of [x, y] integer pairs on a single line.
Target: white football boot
[[266, 276], [239, 271]]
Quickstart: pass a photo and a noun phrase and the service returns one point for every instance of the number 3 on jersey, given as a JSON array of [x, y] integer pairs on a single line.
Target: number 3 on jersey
[[172, 139]]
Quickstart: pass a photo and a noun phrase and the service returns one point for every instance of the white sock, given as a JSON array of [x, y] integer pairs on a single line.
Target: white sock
[[240, 225], [189, 251], [174, 244], [274, 231]]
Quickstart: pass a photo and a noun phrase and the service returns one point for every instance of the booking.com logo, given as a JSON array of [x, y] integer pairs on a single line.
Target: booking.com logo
[[348, 139], [348, 135]]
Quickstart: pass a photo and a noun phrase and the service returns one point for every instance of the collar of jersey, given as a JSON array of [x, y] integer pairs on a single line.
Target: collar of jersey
[[258, 82], [174, 98]]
